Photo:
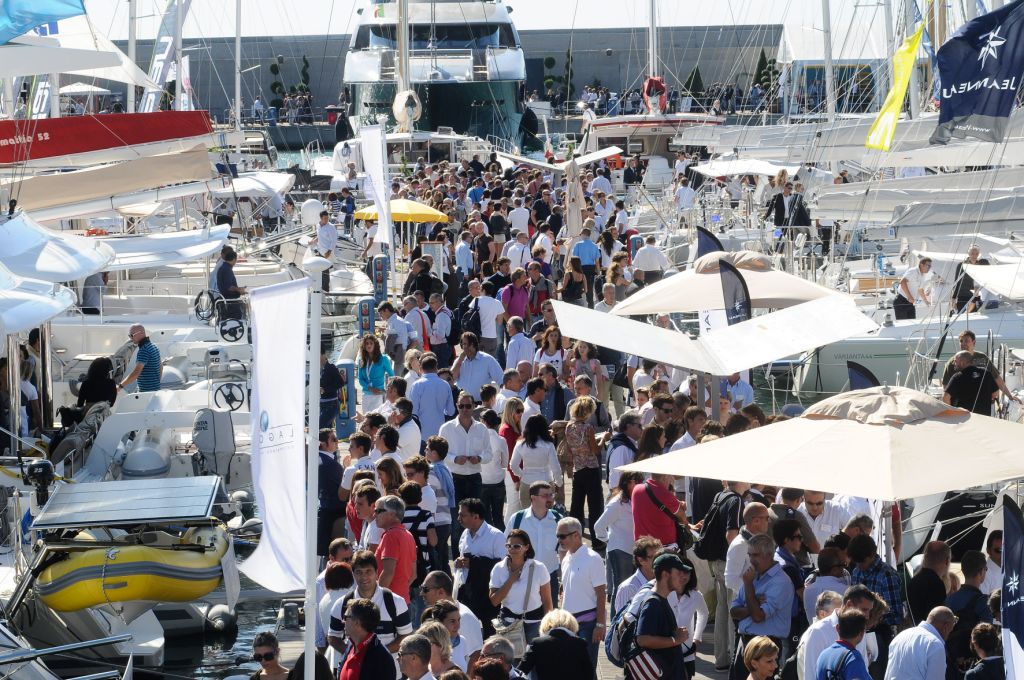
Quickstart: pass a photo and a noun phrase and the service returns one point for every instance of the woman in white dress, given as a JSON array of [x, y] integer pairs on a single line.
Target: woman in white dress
[[692, 614]]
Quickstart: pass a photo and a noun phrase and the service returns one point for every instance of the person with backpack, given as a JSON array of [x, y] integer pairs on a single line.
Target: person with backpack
[[657, 652], [540, 522], [842, 661], [718, 528], [970, 605]]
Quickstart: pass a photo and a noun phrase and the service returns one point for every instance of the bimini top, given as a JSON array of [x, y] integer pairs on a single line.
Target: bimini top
[[35, 252]]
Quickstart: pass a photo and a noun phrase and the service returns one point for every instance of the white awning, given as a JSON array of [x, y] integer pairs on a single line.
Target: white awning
[[1006, 280], [701, 287], [256, 185], [761, 340], [27, 304], [743, 166], [877, 205], [997, 216], [155, 250], [79, 33], [18, 60], [69, 188], [35, 252], [83, 89]]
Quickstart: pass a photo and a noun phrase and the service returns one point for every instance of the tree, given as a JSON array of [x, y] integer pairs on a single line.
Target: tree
[[762, 65], [694, 83]]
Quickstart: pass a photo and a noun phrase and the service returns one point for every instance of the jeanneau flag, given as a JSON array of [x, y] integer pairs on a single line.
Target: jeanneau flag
[[18, 17], [1012, 604], [981, 68], [882, 130]]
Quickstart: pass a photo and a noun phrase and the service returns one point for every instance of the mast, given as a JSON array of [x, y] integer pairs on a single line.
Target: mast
[[402, 77], [179, 78], [132, 40], [830, 78], [652, 40], [237, 107], [914, 90], [890, 44]]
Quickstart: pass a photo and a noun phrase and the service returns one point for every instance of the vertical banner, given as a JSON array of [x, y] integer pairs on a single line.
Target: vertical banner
[[980, 68], [706, 243], [163, 55], [734, 294], [375, 162], [278, 438], [1013, 600], [882, 130]]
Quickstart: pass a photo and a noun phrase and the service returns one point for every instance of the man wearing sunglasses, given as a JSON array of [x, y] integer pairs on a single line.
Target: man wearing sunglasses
[[469, 445], [584, 582], [438, 586], [994, 550], [414, 658], [148, 368]]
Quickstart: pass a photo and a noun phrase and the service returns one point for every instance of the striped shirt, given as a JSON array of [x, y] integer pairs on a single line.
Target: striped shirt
[[387, 602], [149, 356], [419, 521]]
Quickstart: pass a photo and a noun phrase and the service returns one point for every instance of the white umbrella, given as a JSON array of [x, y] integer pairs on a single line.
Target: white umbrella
[[701, 287], [83, 89], [884, 442], [26, 304], [35, 252]]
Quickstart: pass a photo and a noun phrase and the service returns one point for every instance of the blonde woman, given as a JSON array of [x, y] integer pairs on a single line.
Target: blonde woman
[[440, 647], [558, 653], [584, 451], [761, 656], [412, 362]]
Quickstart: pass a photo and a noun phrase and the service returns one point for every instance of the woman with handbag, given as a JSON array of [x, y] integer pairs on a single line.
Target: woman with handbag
[[585, 449], [521, 586]]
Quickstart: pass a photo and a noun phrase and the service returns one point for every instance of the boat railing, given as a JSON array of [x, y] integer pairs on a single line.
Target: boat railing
[[502, 145]]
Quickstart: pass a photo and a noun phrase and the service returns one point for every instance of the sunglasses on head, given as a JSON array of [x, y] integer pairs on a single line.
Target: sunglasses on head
[[269, 656]]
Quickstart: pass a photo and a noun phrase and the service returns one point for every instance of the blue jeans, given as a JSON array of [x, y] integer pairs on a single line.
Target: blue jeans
[[416, 607], [618, 566], [532, 630], [586, 632]]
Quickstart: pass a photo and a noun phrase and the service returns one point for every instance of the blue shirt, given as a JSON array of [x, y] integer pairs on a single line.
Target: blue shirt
[[375, 374], [967, 596], [432, 403], [741, 392], [778, 592], [476, 372], [464, 257], [587, 251], [476, 194], [149, 357], [853, 666]]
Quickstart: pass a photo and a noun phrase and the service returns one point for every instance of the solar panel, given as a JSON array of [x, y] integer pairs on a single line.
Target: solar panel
[[129, 502]]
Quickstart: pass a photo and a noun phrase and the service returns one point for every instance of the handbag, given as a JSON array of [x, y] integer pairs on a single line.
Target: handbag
[[513, 628], [644, 666], [684, 538]]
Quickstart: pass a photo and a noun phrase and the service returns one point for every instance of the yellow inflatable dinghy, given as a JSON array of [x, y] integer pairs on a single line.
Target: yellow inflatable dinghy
[[135, 572]]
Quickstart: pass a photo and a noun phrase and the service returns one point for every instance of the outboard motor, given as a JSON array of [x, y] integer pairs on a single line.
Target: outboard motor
[[39, 474]]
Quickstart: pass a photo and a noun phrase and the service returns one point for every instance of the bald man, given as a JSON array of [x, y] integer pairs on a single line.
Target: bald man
[[148, 369]]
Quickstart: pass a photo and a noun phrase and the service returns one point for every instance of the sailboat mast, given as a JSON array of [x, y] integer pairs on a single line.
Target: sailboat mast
[[238, 73], [830, 76], [914, 89], [133, 20], [402, 77], [652, 40], [179, 78]]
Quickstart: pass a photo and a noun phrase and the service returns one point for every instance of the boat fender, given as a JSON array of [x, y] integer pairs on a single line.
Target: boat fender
[[252, 526], [220, 619]]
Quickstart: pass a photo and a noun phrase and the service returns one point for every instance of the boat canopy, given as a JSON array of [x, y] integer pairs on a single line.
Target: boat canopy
[[35, 252], [743, 166], [27, 303], [1005, 280], [700, 288], [155, 250], [256, 185]]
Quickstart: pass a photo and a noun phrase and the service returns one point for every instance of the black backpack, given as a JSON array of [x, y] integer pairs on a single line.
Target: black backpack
[[456, 328], [711, 544], [471, 319]]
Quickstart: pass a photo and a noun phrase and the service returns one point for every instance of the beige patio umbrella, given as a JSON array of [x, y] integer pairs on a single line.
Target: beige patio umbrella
[[887, 443]]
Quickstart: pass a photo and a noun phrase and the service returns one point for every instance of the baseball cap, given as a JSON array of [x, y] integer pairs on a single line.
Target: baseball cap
[[669, 560]]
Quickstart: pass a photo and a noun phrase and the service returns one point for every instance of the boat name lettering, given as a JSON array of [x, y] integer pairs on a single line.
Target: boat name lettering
[[24, 139], [854, 356], [984, 83]]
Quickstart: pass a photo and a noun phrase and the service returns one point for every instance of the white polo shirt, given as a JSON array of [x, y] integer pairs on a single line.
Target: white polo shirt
[[830, 522], [582, 572], [542, 535], [487, 542]]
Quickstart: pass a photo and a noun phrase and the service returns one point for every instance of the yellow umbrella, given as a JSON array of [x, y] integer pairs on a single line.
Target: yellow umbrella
[[404, 210]]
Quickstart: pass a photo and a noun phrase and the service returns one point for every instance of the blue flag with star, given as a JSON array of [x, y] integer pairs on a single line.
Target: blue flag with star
[[1012, 601], [980, 68], [18, 17]]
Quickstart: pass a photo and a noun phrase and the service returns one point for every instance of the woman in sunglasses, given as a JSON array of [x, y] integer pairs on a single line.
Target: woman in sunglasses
[[266, 652], [521, 585]]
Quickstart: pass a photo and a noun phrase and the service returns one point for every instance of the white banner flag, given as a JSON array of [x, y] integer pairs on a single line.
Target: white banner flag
[[278, 438], [377, 183]]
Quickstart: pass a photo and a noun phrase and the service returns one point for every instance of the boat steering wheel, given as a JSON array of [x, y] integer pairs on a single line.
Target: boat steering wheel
[[231, 330], [229, 396]]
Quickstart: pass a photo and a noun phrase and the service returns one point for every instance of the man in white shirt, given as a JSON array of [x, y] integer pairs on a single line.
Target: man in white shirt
[[623, 445], [685, 197], [535, 393], [755, 521], [520, 347], [491, 312], [601, 183], [583, 584], [519, 252], [822, 633], [826, 517], [478, 540], [519, 217], [994, 550], [469, 445], [682, 163], [919, 653], [325, 242], [913, 288], [511, 386], [540, 522], [603, 208], [419, 321], [408, 431], [650, 261]]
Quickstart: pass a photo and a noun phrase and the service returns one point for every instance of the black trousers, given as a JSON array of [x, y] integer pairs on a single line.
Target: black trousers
[[466, 486], [586, 487], [589, 272], [902, 308]]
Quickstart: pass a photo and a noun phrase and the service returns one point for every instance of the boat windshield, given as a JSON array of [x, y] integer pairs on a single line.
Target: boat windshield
[[446, 36]]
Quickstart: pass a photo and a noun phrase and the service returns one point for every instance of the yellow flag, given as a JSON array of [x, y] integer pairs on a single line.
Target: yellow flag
[[882, 130]]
